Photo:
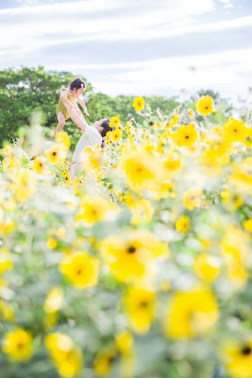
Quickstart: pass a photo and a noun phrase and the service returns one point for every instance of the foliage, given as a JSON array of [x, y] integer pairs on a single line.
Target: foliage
[[29, 89]]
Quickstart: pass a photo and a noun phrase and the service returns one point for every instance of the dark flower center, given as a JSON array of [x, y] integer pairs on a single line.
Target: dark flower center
[[206, 107], [132, 249], [187, 136], [246, 350], [20, 345], [54, 153], [235, 130], [111, 359], [143, 304]]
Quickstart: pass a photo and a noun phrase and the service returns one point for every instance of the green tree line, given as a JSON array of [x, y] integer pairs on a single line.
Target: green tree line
[[24, 90]]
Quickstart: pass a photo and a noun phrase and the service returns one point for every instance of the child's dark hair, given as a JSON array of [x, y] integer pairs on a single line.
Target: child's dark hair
[[106, 127], [77, 83]]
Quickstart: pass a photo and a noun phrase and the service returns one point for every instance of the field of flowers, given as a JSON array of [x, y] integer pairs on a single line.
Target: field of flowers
[[142, 266]]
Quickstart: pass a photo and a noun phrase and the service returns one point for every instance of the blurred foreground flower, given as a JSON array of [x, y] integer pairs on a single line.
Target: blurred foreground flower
[[80, 269], [56, 154], [191, 313], [140, 307], [18, 344], [238, 358], [65, 355]]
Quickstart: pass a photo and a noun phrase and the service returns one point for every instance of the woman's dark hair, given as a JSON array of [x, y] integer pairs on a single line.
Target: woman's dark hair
[[106, 127], [77, 83]]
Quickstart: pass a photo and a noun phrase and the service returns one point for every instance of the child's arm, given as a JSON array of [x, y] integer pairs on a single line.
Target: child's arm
[[83, 106]]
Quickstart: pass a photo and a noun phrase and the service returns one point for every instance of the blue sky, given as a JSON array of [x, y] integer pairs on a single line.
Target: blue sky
[[144, 47]]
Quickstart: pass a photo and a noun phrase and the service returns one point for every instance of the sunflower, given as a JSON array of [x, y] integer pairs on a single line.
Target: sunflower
[[205, 105], [140, 306], [116, 135], [186, 135], [138, 104], [56, 154], [237, 358], [191, 313], [80, 269], [114, 121], [18, 344], [39, 165], [235, 131]]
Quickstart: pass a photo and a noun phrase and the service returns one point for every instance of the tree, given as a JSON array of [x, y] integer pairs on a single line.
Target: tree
[[26, 89], [23, 90]]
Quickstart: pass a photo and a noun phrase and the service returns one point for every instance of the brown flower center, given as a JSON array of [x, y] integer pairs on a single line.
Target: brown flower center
[[20, 345], [246, 350], [131, 249], [143, 304], [79, 271], [187, 136], [54, 153]]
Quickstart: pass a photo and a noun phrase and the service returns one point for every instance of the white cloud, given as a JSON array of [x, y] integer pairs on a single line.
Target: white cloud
[[35, 27], [60, 9], [95, 20], [227, 3], [27, 2], [227, 72]]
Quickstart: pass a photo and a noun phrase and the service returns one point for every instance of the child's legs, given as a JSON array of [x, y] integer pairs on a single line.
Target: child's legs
[[61, 122]]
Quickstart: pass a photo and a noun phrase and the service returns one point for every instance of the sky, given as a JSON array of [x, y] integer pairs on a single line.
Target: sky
[[143, 47]]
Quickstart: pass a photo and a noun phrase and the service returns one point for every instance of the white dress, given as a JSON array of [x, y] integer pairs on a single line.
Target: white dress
[[90, 138]]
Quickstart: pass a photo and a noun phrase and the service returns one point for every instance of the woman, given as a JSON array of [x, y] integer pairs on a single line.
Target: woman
[[91, 136]]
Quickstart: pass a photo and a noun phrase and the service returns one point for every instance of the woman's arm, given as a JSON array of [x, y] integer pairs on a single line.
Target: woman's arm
[[64, 98], [80, 122]]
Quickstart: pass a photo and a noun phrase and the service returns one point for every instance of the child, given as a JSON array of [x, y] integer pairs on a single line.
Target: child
[[69, 97]]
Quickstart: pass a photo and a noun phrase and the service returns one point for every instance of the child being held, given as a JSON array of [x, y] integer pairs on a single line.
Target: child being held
[[70, 96]]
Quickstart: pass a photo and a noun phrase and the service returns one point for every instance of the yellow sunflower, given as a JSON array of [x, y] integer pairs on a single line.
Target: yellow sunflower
[[205, 105], [138, 104]]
